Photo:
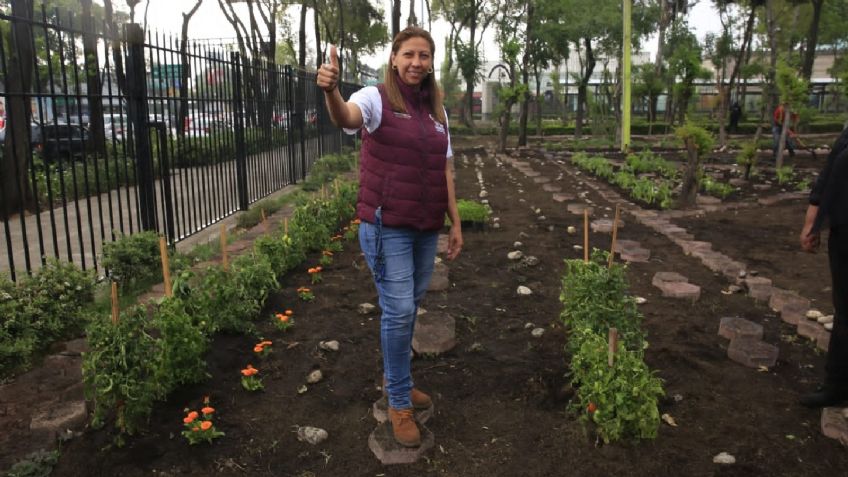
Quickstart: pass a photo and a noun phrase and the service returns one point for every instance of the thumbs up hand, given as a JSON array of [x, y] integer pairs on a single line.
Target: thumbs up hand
[[328, 73]]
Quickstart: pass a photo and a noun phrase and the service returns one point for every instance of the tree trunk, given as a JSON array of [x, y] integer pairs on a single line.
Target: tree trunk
[[538, 105], [581, 88], [395, 17], [97, 136], [771, 31], [117, 55], [784, 131], [812, 41], [16, 193], [319, 56], [301, 39], [689, 190], [470, 80]]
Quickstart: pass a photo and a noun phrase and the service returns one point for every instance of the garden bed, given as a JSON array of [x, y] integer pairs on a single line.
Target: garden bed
[[501, 395]]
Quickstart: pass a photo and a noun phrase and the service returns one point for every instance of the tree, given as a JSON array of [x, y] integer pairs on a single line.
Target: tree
[[648, 84], [698, 142], [793, 91], [185, 66], [684, 66], [94, 86]]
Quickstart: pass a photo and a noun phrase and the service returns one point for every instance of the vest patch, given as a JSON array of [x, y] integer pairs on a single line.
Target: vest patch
[[402, 115]]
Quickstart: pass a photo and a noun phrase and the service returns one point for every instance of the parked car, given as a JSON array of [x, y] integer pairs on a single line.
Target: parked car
[[53, 141], [116, 124]]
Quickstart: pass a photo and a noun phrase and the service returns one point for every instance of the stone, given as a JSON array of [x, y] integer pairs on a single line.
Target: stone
[[571, 230], [537, 332], [810, 329], [733, 327], [690, 246], [551, 188], [541, 180], [365, 308], [386, 449], [312, 435], [524, 291], [515, 255], [622, 245], [605, 225], [752, 352], [640, 300], [560, 197], [439, 280], [759, 288], [639, 255], [724, 458], [834, 425], [578, 209], [59, 417], [531, 173], [530, 261], [823, 341], [483, 194], [814, 314], [824, 320], [792, 314], [681, 290], [314, 376], [780, 298], [665, 277], [434, 333], [517, 244], [331, 345], [380, 410], [828, 326]]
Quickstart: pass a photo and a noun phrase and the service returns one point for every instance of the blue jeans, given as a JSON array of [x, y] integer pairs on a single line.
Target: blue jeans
[[401, 262], [775, 134]]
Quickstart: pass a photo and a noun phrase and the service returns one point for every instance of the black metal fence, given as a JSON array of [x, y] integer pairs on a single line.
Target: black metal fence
[[105, 134]]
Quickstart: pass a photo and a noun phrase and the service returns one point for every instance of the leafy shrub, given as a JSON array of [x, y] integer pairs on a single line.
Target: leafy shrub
[[648, 162], [597, 166], [17, 336], [472, 211], [716, 188], [180, 346], [133, 258], [785, 174], [54, 298]]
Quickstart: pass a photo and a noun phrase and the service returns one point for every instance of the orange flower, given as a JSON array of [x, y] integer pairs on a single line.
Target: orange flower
[[318, 269], [207, 410], [192, 415], [280, 316], [312, 270], [289, 313], [188, 420], [249, 371], [357, 222], [283, 318], [257, 349], [206, 425], [195, 429], [266, 343]]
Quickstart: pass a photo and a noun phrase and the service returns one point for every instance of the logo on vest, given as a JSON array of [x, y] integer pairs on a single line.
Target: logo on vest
[[439, 126], [402, 115]]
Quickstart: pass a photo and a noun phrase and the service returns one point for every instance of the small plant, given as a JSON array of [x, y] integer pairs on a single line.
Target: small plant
[[472, 211], [803, 185], [352, 230], [132, 258], [747, 159], [284, 321], [305, 294], [199, 426], [249, 379], [335, 244], [315, 275], [37, 464], [263, 348], [326, 258], [715, 188], [785, 174]]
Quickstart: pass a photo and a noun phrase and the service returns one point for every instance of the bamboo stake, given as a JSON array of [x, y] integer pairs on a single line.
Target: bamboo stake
[[323, 192], [586, 235], [264, 220], [286, 226], [224, 259], [116, 309], [166, 267], [613, 346], [614, 234], [336, 185]]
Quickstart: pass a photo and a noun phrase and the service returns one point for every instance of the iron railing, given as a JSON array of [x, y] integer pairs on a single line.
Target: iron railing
[[169, 139]]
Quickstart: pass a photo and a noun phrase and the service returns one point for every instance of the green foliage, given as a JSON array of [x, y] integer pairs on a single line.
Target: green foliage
[[648, 162], [36, 464], [133, 258], [623, 397], [700, 137], [17, 335], [180, 346], [473, 211], [118, 371], [650, 191], [785, 174], [54, 297], [597, 166], [327, 168], [793, 89], [715, 188], [747, 158]]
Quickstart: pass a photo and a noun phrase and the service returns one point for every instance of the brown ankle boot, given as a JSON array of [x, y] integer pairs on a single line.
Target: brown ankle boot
[[420, 400], [404, 427]]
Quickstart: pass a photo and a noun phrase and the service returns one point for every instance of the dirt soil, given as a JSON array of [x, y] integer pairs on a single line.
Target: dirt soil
[[500, 409]]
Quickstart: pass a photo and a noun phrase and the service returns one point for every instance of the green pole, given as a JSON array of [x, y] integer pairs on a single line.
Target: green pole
[[625, 67]]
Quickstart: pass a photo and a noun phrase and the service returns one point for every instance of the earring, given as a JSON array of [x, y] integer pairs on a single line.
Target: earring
[[430, 70], [394, 67]]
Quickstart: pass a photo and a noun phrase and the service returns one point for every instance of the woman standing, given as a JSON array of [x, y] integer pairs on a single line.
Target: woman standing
[[405, 189]]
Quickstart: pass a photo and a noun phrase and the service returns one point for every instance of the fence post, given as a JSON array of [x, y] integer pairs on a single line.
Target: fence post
[[288, 74], [238, 113], [137, 103]]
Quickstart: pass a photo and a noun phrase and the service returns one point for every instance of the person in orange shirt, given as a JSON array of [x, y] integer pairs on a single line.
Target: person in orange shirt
[[777, 128]]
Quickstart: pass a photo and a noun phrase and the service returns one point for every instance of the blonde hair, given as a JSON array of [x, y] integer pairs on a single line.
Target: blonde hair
[[429, 82]]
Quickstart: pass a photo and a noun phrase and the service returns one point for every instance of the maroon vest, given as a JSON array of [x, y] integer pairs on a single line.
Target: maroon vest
[[402, 166]]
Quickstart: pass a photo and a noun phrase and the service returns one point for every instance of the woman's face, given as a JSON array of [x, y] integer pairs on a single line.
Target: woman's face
[[413, 60]]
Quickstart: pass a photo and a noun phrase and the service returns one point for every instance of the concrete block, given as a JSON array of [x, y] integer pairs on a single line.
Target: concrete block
[[823, 340], [667, 277], [541, 180], [435, 333], [681, 290], [780, 298], [382, 443], [834, 424], [380, 410], [561, 197], [605, 225], [734, 327], [639, 255], [578, 209], [752, 353], [439, 280], [811, 329], [793, 314], [551, 188]]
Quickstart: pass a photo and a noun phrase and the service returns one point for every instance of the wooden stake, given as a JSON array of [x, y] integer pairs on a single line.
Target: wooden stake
[[116, 308], [264, 220], [286, 226], [586, 235], [166, 267], [323, 192], [614, 235], [224, 259], [613, 346], [336, 185]]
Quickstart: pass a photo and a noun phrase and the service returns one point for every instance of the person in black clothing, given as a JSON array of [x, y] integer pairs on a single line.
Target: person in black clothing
[[735, 115], [829, 203]]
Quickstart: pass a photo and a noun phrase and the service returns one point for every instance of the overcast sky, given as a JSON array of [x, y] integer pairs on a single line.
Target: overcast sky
[[209, 22]]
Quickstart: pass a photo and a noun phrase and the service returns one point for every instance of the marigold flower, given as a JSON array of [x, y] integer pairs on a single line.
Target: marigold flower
[[195, 429], [207, 410], [192, 415], [283, 318], [312, 270], [289, 313], [266, 343], [188, 420], [249, 371], [257, 349], [279, 316], [206, 425], [318, 269]]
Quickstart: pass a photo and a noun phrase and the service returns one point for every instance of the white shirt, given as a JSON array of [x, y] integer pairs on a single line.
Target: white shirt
[[371, 104]]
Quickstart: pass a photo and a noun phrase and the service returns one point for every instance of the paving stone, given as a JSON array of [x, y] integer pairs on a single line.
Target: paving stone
[[439, 281], [689, 246], [58, 417], [666, 277], [541, 180], [551, 188], [731, 269], [579, 208], [732, 327], [823, 340], [382, 443], [605, 225], [561, 197], [834, 424], [752, 353], [442, 245], [780, 298], [760, 292], [435, 333], [380, 410], [621, 245], [707, 200], [737, 182], [670, 229], [811, 329], [680, 290], [532, 173], [793, 314], [638, 255]]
